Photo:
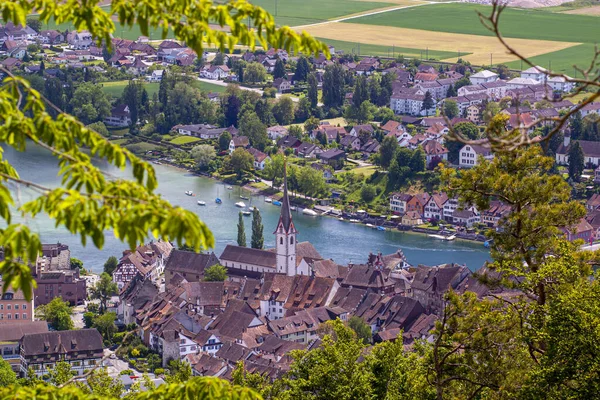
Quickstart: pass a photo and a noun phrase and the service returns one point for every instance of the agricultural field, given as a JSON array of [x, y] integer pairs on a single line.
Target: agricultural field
[[550, 38]]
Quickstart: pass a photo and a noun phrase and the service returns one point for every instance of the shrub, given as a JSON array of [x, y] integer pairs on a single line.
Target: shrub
[[159, 371], [134, 352], [126, 372]]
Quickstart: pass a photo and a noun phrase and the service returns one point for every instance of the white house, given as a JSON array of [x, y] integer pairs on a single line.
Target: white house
[[591, 151], [536, 73], [398, 202], [216, 72], [260, 158], [119, 116], [483, 77], [517, 83], [276, 132], [80, 40], [410, 103], [434, 208], [560, 84], [591, 108], [469, 155], [155, 76]]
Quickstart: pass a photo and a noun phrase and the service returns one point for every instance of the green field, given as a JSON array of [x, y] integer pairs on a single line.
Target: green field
[[387, 51], [515, 23], [115, 89], [294, 12], [563, 60], [184, 140]]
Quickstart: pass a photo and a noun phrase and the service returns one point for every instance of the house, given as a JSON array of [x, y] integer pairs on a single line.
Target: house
[[583, 230], [282, 85], [350, 143], [216, 72], [119, 116], [138, 67], [239, 142], [52, 37], [10, 338], [371, 146], [434, 208], [188, 264], [591, 151], [364, 129], [412, 218], [82, 349], [325, 170], [308, 150], [435, 151], [11, 62], [466, 218], [65, 284], [302, 327], [147, 261], [492, 216], [80, 40], [425, 77], [417, 203], [289, 142], [155, 76], [137, 294], [483, 77], [590, 108], [276, 132], [521, 121], [474, 113], [14, 308], [398, 202], [259, 158], [431, 283], [536, 73], [410, 102], [470, 153], [334, 157]]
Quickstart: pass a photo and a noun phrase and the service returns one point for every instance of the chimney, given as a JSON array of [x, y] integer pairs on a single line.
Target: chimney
[[566, 140]]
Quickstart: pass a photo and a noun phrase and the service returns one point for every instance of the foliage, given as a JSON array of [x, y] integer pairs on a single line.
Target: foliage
[[111, 265], [333, 86], [88, 319], [203, 154], [279, 71], [252, 127], [105, 324], [387, 150], [179, 371], [302, 69], [104, 289], [450, 109], [283, 110], [241, 231], [224, 140], [241, 161], [57, 313], [76, 263], [61, 373], [100, 128], [362, 330], [428, 102], [89, 103], [274, 169], [368, 193], [313, 91], [255, 73], [101, 384], [258, 239], [7, 375], [215, 273], [576, 161], [467, 130]]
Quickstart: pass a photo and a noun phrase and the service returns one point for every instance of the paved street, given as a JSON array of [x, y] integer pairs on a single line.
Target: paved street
[[116, 365], [259, 91]]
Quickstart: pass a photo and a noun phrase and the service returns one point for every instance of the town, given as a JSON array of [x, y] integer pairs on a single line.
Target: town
[[361, 139]]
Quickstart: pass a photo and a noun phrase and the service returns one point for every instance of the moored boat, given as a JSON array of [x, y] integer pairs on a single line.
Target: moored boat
[[240, 204], [246, 213], [189, 193], [308, 211], [380, 228], [276, 203], [201, 203], [268, 200]]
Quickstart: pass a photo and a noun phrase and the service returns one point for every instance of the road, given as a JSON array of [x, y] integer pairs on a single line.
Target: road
[[259, 91], [116, 365]]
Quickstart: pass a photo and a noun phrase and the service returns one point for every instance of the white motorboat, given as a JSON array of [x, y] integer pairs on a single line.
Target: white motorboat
[[370, 225], [201, 203], [240, 204], [268, 200], [189, 192], [340, 219], [354, 221], [246, 213], [442, 237], [293, 208], [308, 211], [229, 187], [252, 208]]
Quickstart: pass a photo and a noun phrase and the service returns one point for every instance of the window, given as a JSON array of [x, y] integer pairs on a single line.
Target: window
[[16, 315], [16, 306], [281, 240], [24, 316], [8, 306], [292, 240], [1, 316], [9, 316], [24, 306]]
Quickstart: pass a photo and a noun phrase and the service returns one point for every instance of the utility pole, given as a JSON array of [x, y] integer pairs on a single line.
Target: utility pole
[[394, 50], [427, 53], [491, 60]]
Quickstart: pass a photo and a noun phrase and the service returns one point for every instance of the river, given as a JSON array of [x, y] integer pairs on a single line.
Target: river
[[340, 241]]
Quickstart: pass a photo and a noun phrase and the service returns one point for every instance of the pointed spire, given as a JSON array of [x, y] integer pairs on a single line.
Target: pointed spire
[[285, 219]]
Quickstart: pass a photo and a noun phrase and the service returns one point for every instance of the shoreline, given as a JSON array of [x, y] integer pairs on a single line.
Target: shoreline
[[257, 192]]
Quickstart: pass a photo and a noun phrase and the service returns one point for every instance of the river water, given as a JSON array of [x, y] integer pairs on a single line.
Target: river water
[[340, 241]]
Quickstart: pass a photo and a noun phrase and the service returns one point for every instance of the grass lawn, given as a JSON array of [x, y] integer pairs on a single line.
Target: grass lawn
[[185, 140], [115, 89], [120, 142], [515, 23], [141, 147], [363, 49], [209, 87], [366, 171], [294, 13]]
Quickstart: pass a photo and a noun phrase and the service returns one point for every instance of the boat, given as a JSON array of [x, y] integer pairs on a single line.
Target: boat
[[218, 200], [240, 204], [244, 197], [189, 192], [370, 225], [354, 221], [276, 203], [293, 208], [246, 213], [201, 203], [380, 228], [340, 219], [268, 200], [229, 187], [308, 211], [252, 208], [442, 237]]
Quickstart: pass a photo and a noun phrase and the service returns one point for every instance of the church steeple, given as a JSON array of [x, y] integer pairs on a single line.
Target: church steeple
[[285, 234]]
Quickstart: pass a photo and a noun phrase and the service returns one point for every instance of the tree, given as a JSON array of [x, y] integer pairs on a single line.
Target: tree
[[241, 231], [302, 70], [468, 130], [311, 124], [219, 59], [179, 371], [576, 124], [283, 110], [576, 161], [333, 86], [105, 324], [450, 109], [203, 154], [295, 131], [224, 140], [387, 151], [418, 160], [254, 129], [491, 110], [87, 215], [313, 90], [61, 373], [100, 128], [367, 193], [451, 91], [304, 110], [89, 103], [255, 73], [274, 169], [76, 263], [135, 97], [111, 265], [279, 71], [104, 289], [215, 273], [102, 385], [311, 182], [88, 319], [258, 238], [7, 375], [361, 94], [241, 161], [35, 24], [428, 102], [362, 330], [58, 314], [503, 71]]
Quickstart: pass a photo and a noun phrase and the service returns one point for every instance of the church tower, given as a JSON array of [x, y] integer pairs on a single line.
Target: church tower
[[285, 235]]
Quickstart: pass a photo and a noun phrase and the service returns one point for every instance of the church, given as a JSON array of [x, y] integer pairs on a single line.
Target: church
[[288, 257]]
